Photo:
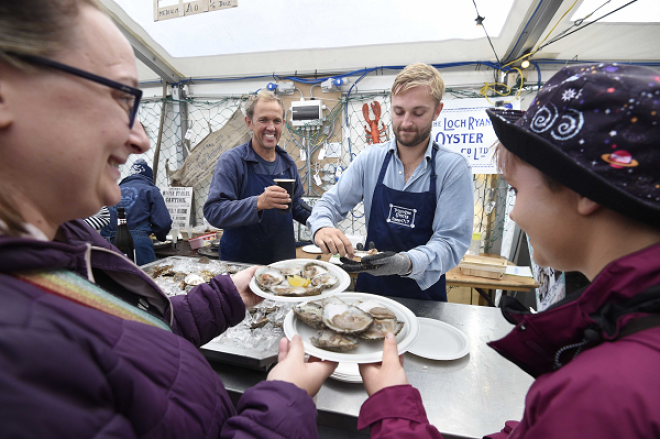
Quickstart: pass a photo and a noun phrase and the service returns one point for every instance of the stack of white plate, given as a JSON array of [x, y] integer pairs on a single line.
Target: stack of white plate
[[347, 372]]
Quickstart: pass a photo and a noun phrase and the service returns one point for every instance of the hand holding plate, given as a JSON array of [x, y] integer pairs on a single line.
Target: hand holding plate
[[292, 368], [377, 376]]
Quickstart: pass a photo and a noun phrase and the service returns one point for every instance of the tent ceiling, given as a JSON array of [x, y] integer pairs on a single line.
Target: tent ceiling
[[262, 37]]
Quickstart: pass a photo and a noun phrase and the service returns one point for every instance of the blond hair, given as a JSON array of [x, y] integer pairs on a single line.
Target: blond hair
[[419, 75], [33, 27], [262, 94]]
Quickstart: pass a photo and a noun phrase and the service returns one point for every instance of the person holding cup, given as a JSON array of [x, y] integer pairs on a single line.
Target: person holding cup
[[256, 191]]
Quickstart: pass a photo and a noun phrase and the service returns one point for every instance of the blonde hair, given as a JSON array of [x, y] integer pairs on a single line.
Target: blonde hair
[[262, 94], [33, 27], [416, 75]]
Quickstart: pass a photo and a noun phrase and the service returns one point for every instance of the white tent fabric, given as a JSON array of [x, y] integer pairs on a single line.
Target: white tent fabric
[[302, 37]]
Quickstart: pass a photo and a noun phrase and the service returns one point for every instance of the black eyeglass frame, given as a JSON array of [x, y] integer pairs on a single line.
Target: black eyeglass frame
[[136, 92]]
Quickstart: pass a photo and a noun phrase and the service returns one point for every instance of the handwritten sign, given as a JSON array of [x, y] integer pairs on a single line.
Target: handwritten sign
[[464, 127], [179, 202], [182, 8]]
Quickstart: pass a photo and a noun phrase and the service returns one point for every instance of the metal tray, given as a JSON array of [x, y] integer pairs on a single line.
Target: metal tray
[[222, 352]]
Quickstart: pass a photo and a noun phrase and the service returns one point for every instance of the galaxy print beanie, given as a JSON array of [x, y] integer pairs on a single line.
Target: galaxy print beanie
[[595, 128]]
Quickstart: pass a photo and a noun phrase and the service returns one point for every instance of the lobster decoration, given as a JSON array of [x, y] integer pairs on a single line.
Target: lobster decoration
[[373, 133]]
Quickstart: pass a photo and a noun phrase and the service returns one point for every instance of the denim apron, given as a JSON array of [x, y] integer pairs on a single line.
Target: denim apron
[[265, 242], [400, 221]]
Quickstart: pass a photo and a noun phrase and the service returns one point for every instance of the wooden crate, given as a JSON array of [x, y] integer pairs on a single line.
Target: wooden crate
[[483, 266]]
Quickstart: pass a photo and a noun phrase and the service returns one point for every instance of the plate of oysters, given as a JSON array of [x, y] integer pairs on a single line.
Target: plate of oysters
[[295, 280], [351, 327]]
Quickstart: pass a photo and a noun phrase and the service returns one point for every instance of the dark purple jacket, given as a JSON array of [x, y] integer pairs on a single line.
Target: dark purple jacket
[[610, 390], [69, 371]]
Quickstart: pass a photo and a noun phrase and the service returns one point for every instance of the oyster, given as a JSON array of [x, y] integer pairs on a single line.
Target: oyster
[[194, 279], [204, 260], [325, 280], [312, 269], [333, 299], [346, 319], [287, 290], [331, 341], [380, 328], [207, 275], [310, 313], [159, 270], [377, 310], [266, 277], [178, 277], [289, 270]]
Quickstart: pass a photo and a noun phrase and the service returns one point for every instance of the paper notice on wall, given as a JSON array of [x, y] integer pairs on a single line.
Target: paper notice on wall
[[464, 127], [179, 202]]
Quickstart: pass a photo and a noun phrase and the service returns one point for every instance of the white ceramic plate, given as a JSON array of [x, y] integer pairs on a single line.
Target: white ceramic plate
[[367, 351], [312, 249], [344, 282], [347, 372], [440, 341]]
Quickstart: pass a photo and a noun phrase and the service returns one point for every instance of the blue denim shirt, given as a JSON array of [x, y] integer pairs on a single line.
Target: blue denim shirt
[[454, 214]]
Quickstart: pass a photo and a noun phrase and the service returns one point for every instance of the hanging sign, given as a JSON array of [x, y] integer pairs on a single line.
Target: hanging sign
[[178, 201], [464, 127]]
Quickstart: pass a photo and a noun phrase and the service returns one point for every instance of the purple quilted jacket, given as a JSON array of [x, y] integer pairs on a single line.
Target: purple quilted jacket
[[69, 371]]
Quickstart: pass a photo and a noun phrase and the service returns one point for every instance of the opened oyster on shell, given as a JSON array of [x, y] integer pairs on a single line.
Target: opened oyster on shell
[[295, 280], [341, 324], [331, 341]]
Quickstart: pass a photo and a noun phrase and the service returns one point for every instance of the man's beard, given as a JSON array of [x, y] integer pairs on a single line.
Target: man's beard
[[420, 136]]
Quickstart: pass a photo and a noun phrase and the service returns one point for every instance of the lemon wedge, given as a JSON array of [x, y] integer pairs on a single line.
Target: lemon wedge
[[298, 281]]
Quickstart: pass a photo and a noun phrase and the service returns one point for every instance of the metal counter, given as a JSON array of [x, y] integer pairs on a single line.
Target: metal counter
[[464, 398]]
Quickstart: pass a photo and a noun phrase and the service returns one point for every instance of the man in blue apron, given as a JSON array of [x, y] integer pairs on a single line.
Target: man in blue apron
[[244, 199], [418, 199]]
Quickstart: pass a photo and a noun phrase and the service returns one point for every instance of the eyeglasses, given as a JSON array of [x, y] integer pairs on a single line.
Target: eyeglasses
[[132, 99]]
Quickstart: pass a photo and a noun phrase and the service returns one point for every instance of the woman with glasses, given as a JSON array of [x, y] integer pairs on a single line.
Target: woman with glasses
[[89, 345]]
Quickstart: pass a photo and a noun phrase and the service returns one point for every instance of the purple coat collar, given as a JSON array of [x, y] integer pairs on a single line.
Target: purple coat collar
[[537, 338]]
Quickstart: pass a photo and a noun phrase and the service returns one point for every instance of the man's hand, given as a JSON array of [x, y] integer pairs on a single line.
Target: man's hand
[[333, 241], [273, 197], [292, 368], [242, 283], [380, 264], [389, 372]]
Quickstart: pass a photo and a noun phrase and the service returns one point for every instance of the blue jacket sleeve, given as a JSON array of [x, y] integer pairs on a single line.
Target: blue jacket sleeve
[[161, 222], [224, 208], [207, 310]]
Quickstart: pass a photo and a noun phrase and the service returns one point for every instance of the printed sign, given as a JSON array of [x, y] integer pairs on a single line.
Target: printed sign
[[402, 216], [464, 127], [179, 202]]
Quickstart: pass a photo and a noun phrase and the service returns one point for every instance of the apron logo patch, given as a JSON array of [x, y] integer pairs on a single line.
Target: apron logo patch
[[402, 216]]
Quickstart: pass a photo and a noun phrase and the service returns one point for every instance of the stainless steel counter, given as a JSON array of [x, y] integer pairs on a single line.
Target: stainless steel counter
[[464, 398]]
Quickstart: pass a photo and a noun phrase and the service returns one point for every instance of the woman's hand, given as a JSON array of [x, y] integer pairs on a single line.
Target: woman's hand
[[242, 283], [292, 368], [389, 372]]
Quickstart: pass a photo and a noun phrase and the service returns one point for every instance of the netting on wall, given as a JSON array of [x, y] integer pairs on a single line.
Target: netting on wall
[[322, 153]]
